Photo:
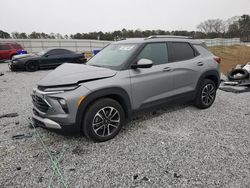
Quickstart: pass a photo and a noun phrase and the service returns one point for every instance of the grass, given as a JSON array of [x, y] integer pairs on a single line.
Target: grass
[[232, 56]]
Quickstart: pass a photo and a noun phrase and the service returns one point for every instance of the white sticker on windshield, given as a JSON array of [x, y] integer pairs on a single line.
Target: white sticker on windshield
[[127, 48]]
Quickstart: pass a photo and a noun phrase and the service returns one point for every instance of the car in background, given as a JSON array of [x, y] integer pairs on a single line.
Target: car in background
[[10, 49], [49, 58]]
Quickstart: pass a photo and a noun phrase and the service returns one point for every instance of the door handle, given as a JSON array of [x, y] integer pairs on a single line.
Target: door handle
[[200, 64], [167, 69]]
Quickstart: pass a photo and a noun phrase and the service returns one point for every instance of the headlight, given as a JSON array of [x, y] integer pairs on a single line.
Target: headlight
[[58, 89], [15, 62]]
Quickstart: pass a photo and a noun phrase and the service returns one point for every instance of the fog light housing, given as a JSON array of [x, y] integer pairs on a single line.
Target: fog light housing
[[63, 104]]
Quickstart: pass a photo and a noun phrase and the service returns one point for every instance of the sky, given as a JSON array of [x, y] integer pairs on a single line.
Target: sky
[[72, 16]]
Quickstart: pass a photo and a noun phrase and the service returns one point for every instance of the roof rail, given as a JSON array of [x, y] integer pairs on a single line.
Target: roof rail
[[168, 36]]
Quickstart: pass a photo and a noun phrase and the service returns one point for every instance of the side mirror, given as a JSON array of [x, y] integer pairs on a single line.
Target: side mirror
[[143, 63]]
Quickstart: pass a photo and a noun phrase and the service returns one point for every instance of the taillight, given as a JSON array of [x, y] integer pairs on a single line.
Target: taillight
[[217, 59]]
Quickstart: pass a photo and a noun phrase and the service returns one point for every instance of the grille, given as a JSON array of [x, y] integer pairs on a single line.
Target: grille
[[40, 104]]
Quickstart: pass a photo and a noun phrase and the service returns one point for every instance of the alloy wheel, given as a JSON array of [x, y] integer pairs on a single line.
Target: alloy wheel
[[106, 121], [208, 94]]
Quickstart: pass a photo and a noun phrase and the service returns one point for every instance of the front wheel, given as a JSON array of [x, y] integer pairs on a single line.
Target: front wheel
[[206, 94], [103, 120], [31, 66]]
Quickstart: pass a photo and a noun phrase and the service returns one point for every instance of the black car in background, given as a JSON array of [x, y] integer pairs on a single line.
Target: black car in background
[[49, 58]]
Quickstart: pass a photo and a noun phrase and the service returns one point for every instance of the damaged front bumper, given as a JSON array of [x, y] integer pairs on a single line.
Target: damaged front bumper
[[56, 110], [44, 122]]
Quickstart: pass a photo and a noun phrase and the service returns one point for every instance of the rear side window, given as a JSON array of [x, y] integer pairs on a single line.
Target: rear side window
[[59, 52], [180, 51], [157, 52], [203, 50], [17, 46], [4, 47]]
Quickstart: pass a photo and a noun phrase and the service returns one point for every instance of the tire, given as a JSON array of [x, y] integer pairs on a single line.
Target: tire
[[206, 94], [31, 66], [233, 73], [101, 127]]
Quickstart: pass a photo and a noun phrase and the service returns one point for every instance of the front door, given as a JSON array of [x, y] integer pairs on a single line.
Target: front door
[[150, 85], [50, 59]]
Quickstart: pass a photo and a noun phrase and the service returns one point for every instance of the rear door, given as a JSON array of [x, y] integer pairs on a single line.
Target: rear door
[[65, 56], [186, 66], [52, 58], [5, 51], [150, 85]]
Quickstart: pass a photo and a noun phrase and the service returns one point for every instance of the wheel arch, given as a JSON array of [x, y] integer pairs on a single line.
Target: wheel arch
[[116, 93], [211, 75], [32, 60], [12, 55]]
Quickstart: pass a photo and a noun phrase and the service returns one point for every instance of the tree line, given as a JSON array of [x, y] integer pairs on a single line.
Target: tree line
[[238, 26]]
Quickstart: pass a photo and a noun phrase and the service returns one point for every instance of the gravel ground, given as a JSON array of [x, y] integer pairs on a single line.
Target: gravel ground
[[179, 146]]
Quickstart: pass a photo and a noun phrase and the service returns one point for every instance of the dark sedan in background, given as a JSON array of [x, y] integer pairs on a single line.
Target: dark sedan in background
[[49, 58]]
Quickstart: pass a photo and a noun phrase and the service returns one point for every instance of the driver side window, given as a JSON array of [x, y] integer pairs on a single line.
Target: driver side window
[[157, 52]]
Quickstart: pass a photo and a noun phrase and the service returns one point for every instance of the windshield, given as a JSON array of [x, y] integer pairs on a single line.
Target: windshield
[[42, 52], [113, 55]]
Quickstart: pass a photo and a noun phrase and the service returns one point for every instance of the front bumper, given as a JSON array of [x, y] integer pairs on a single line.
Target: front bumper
[[48, 112], [45, 122], [54, 126], [15, 66]]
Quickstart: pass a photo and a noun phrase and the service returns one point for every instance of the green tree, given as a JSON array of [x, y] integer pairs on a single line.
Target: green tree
[[4, 35], [233, 30], [244, 27], [34, 35], [23, 35]]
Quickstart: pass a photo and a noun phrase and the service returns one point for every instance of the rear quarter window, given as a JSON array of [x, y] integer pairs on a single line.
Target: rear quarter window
[[180, 51], [16, 46], [202, 49]]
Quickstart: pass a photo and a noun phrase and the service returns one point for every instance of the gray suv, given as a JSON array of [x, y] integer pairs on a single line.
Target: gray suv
[[123, 79]]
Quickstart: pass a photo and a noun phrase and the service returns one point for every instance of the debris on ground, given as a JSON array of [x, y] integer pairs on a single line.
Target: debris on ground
[[135, 177], [9, 115], [177, 175], [237, 81], [145, 179], [32, 125], [21, 136], [1, 74], [40, 179], [235, 89]]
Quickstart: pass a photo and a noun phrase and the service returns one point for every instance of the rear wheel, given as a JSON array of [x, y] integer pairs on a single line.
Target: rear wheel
[[103, 120], [31, 66], [206, 94]]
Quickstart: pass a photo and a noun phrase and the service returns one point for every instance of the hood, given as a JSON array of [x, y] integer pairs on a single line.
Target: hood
[[22, 56], [69, 73]]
